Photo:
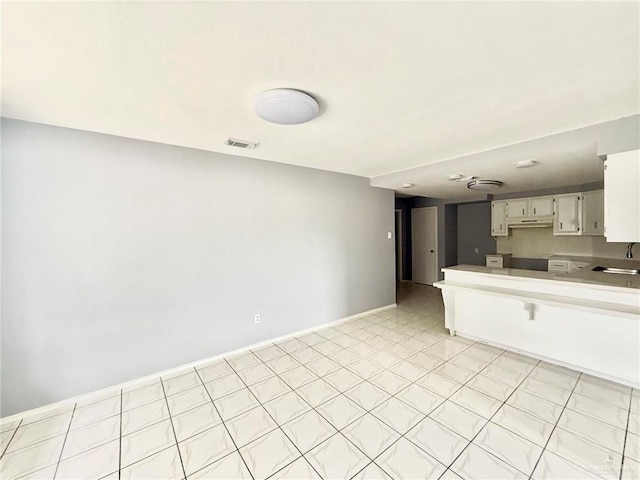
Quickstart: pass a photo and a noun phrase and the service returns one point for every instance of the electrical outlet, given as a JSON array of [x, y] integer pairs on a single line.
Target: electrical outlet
[[389, 235], [477, 250], [256, 318]]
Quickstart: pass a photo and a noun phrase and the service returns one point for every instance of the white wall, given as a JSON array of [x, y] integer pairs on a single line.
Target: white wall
[[122, 258]]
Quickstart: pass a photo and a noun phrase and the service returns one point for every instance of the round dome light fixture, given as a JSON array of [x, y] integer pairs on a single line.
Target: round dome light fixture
[[286, 106], [455, 177], [484, 185], [526, 163], [408, 185]]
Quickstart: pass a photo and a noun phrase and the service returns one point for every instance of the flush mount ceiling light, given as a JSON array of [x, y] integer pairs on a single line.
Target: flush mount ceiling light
[[286, 106], [455, 177], [408, 185], [526, 163], [484, 185]]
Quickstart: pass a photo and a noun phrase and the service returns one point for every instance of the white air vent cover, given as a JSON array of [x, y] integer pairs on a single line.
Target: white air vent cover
[[234, 142]]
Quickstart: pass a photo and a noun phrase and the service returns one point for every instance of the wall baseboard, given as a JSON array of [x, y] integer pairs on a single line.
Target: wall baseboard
[[53, 407]]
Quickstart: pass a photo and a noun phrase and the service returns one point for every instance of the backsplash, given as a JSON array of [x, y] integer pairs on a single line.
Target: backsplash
[[540, 243]]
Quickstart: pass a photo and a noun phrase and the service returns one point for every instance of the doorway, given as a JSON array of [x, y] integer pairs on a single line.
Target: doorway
[[424, 245], [399, 253]]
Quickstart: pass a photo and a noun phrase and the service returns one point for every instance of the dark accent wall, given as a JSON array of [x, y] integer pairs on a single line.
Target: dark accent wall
[[451, 235], [474, 231], [404, 204]]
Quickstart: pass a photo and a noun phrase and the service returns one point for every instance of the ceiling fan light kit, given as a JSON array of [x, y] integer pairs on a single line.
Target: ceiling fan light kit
[[484, 185]]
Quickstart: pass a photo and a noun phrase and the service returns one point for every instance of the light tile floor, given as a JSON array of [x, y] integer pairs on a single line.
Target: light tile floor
[[389, 395]]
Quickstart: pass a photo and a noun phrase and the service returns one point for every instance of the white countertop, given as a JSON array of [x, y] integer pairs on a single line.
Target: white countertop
[[583, 276]]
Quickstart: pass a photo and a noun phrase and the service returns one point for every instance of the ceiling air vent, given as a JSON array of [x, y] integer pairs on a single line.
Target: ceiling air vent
[[234, 142]]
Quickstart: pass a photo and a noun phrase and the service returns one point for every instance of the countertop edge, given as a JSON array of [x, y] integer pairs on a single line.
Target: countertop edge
[[578, 278]]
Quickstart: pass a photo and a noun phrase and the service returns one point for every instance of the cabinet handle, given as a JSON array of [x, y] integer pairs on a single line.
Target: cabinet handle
[[523, 212], [595, 224], [534, 210], [500, 226], [560, 225]]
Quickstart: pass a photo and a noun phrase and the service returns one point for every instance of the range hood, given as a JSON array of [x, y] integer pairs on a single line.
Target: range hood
[[530, 222]]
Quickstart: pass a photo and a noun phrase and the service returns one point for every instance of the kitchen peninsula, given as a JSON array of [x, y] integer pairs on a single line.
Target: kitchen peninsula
[[584, 320]]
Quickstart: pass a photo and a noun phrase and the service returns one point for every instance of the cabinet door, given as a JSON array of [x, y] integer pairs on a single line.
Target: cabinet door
[[567, 215], [593, 213], [498, 219], [518, 208], [541, 207], [622, 197]]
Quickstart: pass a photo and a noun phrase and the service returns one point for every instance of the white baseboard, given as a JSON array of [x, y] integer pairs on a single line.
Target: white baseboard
[[104, 391]]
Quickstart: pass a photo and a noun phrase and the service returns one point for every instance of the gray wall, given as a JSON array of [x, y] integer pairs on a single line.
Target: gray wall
[[474, 231], [122, 258]]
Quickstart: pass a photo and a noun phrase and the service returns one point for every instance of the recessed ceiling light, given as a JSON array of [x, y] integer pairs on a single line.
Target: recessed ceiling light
[[408, 185], [484, 184], [526, 163], [286, 106]]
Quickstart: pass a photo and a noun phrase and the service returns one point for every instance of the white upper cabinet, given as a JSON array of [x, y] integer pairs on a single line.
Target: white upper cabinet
[[518, 208], [567, 219], [622, 197], [499, 219], [570, 214], [541, 207], [593, 213]]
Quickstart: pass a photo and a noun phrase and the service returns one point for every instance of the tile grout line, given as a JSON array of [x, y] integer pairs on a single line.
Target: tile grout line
[[544, 449], [11, 439], [504, 402], [337, 431], [447, 467], [274, 420], [223, 423], [401, 358], [64, 442], [173, 429], [626, 433], [364, 380]]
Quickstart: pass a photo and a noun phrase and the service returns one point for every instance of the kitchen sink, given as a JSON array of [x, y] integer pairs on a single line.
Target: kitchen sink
[[625, 271]]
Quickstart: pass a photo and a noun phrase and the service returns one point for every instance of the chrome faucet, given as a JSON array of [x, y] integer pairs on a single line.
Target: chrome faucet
[[629, 247]]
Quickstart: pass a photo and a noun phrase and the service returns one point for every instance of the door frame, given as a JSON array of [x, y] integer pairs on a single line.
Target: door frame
[[435, 229], [399, 239]]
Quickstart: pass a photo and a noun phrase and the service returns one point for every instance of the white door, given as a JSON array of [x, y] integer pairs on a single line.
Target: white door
[[424, 243]]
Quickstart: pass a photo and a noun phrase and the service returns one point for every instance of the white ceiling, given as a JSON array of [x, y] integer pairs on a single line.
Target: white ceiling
[[400, 84]]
